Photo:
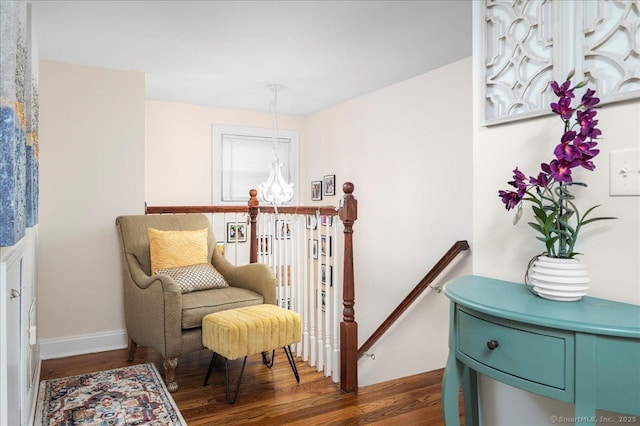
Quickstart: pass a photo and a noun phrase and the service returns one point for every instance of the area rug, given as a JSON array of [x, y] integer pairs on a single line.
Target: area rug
[[134, 395]]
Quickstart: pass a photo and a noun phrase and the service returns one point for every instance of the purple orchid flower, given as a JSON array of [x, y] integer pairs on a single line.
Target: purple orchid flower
[[510, 199], [542, 180], [563, 108], [588, 100], [560, 171], [562, 91]]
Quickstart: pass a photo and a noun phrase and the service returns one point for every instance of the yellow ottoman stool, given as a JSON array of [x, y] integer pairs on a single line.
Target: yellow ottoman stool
[[240, 332]]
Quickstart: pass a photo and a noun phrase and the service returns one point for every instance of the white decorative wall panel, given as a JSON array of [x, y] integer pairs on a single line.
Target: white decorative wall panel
[[518, 59], [611, 48], [526, 44]]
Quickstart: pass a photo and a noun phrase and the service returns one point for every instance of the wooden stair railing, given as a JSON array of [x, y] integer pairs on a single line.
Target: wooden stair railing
[[348, 213], [438, 268]]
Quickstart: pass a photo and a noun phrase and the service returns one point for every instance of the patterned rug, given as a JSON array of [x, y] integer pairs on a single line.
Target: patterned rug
[[134, 395]]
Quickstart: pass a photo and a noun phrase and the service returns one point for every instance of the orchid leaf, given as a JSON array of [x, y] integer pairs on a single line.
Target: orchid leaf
[[539, 213], [584, 222], [536, 227]]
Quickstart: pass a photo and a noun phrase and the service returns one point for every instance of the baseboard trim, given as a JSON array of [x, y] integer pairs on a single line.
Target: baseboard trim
[[82, 344]]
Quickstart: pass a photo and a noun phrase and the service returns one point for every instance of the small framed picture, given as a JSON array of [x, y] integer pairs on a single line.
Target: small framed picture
[[326, 220], [286, 302], [316, 190], [313, 249], [329, 185], [323, 299], [264, 244], [326, 272], [220, 247], [236, 232], [325, 245], [283, 274], [312, 222], [283, 229]]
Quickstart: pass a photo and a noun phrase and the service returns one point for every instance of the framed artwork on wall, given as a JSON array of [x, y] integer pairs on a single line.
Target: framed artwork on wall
[[325, 245], [313, 249], [316, 190], [220, 247], [264, 244], [236, 232], [284, 229], [326, 271], [312, 222], [283, 274], [329, 185]]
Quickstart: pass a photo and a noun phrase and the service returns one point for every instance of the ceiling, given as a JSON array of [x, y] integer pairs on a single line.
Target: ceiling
[[226, 53]]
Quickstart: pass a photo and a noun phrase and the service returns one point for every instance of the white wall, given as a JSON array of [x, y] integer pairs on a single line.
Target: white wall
[[501, 250], [178, 156], [407, 149], [407, 146], [178, 148], [91, 170]]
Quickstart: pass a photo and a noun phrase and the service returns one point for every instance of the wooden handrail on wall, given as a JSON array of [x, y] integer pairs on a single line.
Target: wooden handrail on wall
[[348, 213], [448, 257]]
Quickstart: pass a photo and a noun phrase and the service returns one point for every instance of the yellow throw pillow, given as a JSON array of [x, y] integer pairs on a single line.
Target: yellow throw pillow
[[171, 249]]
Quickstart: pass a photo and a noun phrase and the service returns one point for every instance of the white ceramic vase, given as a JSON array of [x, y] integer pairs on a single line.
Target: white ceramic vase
[[563, 280]]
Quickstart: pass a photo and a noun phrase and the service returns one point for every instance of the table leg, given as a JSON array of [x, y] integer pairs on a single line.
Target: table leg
[[451, 390], [470, 392], [585, 399]]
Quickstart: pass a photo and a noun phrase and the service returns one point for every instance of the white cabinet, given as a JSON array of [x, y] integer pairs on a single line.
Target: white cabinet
[[18, 349]]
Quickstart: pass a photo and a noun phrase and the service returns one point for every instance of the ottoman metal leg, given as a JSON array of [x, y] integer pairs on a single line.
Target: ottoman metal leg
[[213, 361], [226, 374], [292, 362], [226, 367]]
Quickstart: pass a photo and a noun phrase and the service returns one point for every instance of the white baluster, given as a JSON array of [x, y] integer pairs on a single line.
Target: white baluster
[[337, 301]]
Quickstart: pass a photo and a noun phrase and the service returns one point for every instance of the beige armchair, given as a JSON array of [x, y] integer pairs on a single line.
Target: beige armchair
[[157, 314]]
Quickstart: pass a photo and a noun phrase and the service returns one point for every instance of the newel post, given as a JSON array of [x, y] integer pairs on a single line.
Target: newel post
[[348, 327], [254, 205]]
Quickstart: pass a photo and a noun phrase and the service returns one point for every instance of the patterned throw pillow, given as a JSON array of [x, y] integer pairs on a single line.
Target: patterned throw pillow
[[195, 277]]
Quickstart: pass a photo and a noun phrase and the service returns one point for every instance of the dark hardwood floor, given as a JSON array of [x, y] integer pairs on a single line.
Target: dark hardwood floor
[[272, 396]]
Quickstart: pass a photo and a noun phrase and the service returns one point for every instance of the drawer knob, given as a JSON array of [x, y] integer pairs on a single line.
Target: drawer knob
[[492, 344]]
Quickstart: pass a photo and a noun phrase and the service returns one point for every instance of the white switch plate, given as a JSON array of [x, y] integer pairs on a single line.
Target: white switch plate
[[625, 172]]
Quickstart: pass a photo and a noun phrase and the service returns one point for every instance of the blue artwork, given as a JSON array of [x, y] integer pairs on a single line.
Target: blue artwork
[[18, 125]]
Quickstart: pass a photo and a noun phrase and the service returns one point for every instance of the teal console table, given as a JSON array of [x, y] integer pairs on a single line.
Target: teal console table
[[586, 353]]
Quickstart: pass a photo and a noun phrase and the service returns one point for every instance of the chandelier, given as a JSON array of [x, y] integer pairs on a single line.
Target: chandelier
[[276, 190]]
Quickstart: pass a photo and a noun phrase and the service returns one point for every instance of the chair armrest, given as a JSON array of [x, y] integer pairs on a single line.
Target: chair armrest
[[143, 281], [153, 309], [256, 277]]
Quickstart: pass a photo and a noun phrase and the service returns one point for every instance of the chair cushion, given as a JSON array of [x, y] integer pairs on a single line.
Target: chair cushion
[[198, 304], [171, 249], [190, 278]]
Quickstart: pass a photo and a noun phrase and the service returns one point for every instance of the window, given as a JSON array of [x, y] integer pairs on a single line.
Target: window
[[241, 160]]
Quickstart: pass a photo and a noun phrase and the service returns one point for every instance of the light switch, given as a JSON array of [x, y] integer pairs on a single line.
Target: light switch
[[625, 172]]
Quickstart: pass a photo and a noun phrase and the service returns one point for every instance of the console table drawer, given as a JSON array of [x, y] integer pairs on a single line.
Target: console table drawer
[[528, 354]]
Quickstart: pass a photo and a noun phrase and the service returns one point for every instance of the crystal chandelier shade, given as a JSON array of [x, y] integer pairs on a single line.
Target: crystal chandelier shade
[[276, 190]]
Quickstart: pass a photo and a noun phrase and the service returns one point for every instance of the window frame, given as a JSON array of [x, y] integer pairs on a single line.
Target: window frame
[[217, 133]]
